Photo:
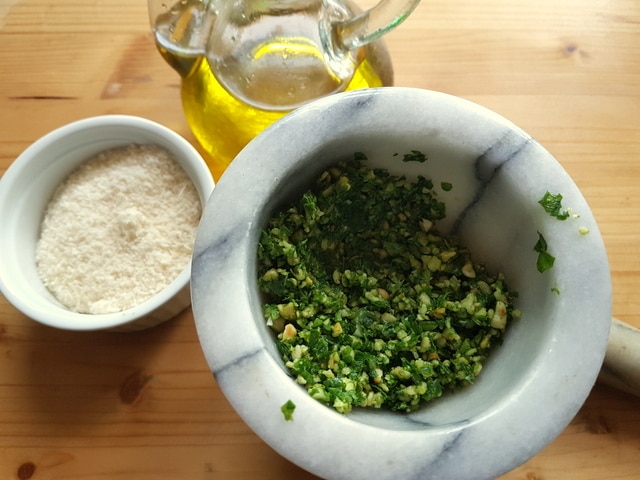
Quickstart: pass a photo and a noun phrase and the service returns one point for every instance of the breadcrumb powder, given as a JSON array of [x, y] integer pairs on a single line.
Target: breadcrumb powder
[[118, 230]]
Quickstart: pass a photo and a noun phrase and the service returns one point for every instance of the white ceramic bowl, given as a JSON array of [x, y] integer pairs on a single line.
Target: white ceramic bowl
[[28, 185], [532, 385]]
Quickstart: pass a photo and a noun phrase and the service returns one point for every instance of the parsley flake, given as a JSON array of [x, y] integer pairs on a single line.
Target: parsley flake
[[360, 156], [545, 259], [552, 204], [287, 410], [446, 186], [414, 156]]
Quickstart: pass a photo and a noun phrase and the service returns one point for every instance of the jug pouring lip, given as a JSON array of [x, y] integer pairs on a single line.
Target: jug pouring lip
[[188, 34]]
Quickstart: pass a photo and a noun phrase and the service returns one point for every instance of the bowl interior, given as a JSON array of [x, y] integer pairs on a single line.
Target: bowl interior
[[497, 222], [30, 183], [497, 218], [531, 386]]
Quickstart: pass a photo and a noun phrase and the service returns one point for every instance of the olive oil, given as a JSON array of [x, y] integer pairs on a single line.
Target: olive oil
[[223, 123], [251, 63]]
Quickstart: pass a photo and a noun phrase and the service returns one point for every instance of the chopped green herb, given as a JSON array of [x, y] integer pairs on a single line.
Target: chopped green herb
[[370, 305], [552, 204], [414, 156], [287, 410], [446, 186], [583, 231], [545, 259], [555, 290]]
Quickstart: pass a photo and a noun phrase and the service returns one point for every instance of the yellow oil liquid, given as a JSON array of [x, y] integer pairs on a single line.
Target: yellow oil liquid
[[224, 124]]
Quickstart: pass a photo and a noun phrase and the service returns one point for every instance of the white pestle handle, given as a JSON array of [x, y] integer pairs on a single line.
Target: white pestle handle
[[621, 368]]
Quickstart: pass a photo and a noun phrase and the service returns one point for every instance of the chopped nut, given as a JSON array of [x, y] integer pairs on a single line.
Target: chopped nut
[[468, 270], [387, 317], [448, 255], [337, 329], [288, 311], [383, 293], [499, 319], [270, 275], [426, 225], [289, 331]]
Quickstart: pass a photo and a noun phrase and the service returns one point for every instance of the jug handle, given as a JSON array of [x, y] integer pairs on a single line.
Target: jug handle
[[371, 24]]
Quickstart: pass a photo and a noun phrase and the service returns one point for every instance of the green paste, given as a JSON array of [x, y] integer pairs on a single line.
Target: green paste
[[371, 306]]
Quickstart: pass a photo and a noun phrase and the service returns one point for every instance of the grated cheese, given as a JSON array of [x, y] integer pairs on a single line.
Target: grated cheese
[[118, 230]]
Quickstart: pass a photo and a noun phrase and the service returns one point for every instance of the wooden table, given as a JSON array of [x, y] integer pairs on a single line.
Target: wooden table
[[143, 405]]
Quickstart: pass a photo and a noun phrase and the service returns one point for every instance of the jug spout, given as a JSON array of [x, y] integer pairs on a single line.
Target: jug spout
[[350, 34], [182, 30]]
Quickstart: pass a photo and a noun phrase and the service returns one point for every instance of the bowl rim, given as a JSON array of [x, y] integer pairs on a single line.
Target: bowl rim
[[188, 158]]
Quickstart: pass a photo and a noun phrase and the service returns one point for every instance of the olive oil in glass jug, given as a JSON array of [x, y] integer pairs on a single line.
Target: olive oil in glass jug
[[246, 63]]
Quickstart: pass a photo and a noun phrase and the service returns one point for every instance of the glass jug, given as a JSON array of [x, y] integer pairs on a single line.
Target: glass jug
[[246, 63]]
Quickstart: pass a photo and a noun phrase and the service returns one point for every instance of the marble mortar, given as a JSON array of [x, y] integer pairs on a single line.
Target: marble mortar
[[532, 386]]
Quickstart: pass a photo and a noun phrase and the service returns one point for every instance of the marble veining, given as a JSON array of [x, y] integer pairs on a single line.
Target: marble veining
[[503, 150], [489, 164], [532, 385], [237, 362]]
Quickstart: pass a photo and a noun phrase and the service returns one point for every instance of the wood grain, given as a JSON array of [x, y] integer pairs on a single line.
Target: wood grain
[[143, 405]]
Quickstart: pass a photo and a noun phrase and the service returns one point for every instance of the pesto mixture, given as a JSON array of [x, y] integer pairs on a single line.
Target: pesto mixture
[[372, 307]]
